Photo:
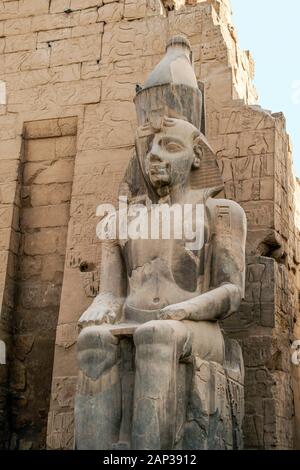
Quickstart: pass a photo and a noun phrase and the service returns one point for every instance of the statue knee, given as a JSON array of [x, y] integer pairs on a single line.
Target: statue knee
[[154, 332], [97, 351], [166, 332]]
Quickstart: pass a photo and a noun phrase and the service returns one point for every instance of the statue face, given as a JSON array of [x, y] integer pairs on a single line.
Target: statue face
[[171, 156]]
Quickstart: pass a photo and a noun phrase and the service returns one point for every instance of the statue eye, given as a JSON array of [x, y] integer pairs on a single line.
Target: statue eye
[[173, 147]]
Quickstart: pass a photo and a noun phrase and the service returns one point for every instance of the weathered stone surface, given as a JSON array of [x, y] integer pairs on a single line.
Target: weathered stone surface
[[79, 49], [253, 152], [37, 271]]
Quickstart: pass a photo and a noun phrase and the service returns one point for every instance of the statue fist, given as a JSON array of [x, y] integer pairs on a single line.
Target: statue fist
[[104, 309]]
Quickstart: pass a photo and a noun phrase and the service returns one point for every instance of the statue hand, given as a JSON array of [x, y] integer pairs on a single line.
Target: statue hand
[[104, 309], [173, 312]]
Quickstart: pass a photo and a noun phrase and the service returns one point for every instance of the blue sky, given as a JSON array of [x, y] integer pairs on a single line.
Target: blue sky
[[270, 29]]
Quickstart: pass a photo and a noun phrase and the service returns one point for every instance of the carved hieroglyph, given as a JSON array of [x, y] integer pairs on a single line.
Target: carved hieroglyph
[[154, 371]]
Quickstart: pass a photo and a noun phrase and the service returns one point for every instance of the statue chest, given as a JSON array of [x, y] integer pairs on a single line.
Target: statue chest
[[167, 261]]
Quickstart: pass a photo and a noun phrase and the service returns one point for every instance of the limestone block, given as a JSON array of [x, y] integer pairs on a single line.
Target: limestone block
[[255, 190], [88, 30], [7, 127], [51, 128], [64, 20], [259, 215], [8, 9], [4, 239], [61, 171], [119, 89], [33, 60], [106, 126], [36, 78], [52, 268], [188, 23], [85, 17], [8, 170], [63, 390], [60, 430], [50, 22], [79, 49], [22, 42], [19, 26], [23, 345], [241, 119], [30, 266], [40, 150], [81, 4], [59, 6], [30, 7], [54, 35], [18, 374], [51, 194], [45, 216], [66, 335], [39, 296], [48, 97], [46, 241], [10, 149], [89, 162], [245, 168], [93, 69], [134, 39], [14, 245], [7, 193], [135, 9], [74, 93], [6, 215], [65, 147], [78, 300], [111, 12], [82, 235]]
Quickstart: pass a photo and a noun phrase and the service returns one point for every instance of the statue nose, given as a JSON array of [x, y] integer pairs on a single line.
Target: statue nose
[[154, 158]]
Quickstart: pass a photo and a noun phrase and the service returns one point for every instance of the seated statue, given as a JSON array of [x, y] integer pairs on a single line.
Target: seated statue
[[155, 323]]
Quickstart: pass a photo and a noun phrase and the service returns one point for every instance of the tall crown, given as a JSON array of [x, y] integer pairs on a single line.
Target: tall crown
[[171, 89]]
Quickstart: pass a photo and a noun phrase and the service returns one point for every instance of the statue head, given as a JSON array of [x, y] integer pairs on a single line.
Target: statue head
[[169, 144], [174, 150]]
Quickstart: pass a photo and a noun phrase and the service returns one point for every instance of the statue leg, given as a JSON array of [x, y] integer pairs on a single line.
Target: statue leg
[[98, 398], [159, 347]]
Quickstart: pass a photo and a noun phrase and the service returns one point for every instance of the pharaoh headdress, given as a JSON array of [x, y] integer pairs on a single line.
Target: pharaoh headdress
[[172, 90]]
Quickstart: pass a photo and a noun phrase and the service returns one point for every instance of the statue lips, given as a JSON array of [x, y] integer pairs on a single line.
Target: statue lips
[[159, 173]]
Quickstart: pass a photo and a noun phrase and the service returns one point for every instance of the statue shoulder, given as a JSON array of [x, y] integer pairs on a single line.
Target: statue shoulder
[[228, 212]]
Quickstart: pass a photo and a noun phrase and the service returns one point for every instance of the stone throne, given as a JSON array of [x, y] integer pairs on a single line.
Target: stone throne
[[155, 371]]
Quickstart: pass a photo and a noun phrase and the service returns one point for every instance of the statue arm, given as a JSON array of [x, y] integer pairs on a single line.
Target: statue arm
[[107, 305], [211, 306], [227, 268]]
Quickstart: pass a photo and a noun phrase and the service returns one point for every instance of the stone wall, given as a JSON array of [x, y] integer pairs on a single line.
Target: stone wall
[[47, 168], [83, 59]]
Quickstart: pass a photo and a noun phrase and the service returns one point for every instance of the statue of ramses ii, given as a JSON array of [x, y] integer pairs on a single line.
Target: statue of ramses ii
[[155, 370]]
